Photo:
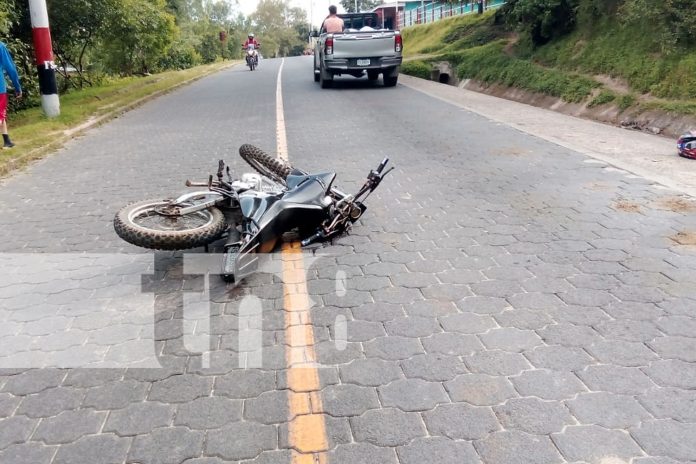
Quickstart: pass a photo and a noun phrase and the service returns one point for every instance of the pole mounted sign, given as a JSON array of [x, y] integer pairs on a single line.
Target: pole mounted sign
[[44, 58]]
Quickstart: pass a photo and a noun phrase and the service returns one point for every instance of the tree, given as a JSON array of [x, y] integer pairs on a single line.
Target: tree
[[363, 5], [76, 26], [282, 30], [15, 31], [140, 33], [541, 20]]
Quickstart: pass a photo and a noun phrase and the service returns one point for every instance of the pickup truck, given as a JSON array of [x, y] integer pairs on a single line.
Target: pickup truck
[[362, 48]]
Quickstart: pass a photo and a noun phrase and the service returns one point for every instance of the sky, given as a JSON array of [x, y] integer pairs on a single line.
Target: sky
[[316, 9]]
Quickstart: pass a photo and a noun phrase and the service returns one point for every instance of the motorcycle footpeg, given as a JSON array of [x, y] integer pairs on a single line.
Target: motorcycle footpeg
[[229, 263], [233, 238]]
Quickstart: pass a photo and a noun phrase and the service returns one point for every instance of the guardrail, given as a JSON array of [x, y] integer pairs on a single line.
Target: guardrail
[[435, 12]]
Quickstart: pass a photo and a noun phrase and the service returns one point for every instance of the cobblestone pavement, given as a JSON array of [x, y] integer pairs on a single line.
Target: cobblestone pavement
[[505, 300]]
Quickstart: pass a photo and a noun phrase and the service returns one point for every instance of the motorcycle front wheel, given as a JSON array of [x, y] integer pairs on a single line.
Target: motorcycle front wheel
[[140, 224], [265, 164]]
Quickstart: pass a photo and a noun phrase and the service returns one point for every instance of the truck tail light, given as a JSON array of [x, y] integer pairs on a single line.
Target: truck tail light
[[328, 46], [398, 42]]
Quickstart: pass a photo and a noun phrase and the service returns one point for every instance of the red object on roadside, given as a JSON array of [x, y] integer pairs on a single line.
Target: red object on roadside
[[687, 145]]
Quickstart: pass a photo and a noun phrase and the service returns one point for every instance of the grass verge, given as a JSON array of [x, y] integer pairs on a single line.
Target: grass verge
[[36, 135], [573, 68]]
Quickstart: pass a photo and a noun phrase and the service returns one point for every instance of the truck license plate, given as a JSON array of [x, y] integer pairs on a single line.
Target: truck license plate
[[364, 62]]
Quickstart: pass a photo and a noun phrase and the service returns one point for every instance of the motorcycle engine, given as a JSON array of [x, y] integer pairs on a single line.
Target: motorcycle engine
[[256, 183], [252, 180]]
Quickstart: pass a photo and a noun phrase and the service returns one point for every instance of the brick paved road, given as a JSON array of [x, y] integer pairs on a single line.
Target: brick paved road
[[506, 300]]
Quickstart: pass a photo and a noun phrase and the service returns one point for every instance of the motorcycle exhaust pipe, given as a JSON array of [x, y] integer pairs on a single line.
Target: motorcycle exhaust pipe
[[318, 236]]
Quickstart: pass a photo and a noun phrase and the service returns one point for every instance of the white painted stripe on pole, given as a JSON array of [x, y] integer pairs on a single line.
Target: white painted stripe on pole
[[50, 105], [281, 137], [39, 13]]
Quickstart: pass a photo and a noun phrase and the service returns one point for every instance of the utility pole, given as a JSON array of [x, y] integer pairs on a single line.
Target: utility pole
[[311, 20], [44, 58]]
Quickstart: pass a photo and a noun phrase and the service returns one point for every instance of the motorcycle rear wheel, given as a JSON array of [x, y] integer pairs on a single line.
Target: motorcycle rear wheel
[[141, 225], [267, 165]]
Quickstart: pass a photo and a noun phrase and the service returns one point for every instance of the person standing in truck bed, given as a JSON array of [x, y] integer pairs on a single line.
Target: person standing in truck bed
[[333, 24]]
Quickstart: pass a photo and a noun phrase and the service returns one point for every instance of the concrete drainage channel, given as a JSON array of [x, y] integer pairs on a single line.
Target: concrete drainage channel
[[443, 73]]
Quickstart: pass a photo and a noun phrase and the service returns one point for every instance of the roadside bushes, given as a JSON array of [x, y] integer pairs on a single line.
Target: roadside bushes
[[670, 22], [541, 20], [417, 68], [604, 97], [679, 82], [492, 65]]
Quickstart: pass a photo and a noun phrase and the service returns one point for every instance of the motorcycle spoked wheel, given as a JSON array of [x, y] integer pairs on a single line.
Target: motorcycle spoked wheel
[[140, 224], [265, 164]]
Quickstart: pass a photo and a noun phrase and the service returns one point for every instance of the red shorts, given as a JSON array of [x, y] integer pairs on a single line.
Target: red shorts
[[3, 106]]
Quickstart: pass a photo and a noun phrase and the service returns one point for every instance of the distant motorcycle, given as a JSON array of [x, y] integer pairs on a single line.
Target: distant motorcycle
[[252, 212], [252, 57]]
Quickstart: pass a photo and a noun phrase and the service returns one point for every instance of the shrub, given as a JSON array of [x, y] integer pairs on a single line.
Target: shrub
[[490, 64], [417, 68], [626, 101], [604, 97], [541, 20]]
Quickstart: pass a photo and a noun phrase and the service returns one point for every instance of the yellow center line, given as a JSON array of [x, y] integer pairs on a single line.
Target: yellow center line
[[281, 137], [306, 425]]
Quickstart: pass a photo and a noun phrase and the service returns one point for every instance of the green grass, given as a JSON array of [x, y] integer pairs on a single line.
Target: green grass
[[450, 34], [565, 67], [626, 101], [602, 98], [675, 107], [33, 133], [417, 68], [628, 53], [490, 64]]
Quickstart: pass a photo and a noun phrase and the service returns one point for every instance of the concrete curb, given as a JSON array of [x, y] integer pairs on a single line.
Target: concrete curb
[[15, 163]]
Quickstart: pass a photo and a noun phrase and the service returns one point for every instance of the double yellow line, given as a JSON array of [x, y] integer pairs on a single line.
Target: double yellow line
[[306, 425]]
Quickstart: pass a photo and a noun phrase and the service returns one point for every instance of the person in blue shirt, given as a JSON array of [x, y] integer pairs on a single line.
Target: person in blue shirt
[[7, 66]]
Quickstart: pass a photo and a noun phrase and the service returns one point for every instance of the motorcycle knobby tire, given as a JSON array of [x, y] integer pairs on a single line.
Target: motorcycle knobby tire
[[267, 165], [169, 239]]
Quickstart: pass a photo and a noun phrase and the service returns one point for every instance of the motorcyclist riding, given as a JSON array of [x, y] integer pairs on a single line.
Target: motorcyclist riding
[[252, 41]]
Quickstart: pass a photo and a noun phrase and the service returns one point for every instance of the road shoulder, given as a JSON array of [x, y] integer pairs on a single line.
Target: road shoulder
[[649, 156]]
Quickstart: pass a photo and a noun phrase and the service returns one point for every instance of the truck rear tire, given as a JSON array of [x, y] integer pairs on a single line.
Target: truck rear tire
[[323, 81], [390, 81], [316, 76]]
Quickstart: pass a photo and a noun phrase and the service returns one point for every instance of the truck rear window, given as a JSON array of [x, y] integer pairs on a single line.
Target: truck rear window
[[359, 21]]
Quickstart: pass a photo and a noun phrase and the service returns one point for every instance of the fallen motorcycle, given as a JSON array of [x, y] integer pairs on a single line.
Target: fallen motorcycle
[[251, 213]]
